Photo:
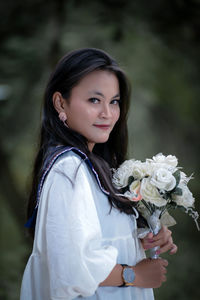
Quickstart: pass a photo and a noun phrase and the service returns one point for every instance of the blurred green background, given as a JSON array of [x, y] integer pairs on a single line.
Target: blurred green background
[[158, 44]]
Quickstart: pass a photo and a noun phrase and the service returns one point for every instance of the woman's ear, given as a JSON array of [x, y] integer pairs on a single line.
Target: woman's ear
[[58, 102]]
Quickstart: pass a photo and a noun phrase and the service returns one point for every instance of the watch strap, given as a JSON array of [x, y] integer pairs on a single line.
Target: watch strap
[[124, 283]]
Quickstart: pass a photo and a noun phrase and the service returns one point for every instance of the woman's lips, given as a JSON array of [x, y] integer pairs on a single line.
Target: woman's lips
[[102, 126]]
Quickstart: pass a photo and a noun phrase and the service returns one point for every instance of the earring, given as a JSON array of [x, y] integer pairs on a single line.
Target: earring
[[62, 116]]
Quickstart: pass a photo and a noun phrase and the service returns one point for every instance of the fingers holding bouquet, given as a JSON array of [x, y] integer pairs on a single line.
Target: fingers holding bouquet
[[163, 240]]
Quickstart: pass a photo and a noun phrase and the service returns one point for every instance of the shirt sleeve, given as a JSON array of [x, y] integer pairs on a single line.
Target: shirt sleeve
[[76, 259]]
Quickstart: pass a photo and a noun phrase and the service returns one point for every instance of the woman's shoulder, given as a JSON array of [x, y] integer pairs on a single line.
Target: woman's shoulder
[[73, 162], [69, 157], [69, 162]]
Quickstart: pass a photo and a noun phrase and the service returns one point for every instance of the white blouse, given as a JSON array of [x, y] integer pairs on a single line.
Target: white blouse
[[78, 240]]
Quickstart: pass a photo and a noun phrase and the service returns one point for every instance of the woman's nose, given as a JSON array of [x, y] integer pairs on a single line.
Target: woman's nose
[[105, 111]]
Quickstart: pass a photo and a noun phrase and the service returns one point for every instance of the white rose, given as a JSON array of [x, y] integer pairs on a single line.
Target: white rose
[[140, 170], [122, 174], [186, 199], [150, 193], [152, 167], [156, 166], [163, 179], [169, 159]]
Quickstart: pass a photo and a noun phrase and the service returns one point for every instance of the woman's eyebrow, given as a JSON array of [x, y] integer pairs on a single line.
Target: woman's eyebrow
[[102, 95]]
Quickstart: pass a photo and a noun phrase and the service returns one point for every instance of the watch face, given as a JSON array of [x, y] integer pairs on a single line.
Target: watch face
[[129, 275]]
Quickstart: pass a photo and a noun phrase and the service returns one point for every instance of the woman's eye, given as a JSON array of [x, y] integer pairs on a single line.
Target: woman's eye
[[94, 100], [115, 101]]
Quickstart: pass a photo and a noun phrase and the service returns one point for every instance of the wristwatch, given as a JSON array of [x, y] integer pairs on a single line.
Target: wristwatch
[[128, 275]]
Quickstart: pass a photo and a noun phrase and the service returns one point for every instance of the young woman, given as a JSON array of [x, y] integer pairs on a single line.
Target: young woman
[[85, 236]]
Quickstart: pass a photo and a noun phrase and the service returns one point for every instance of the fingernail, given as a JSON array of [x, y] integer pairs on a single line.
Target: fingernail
[[150, 240]]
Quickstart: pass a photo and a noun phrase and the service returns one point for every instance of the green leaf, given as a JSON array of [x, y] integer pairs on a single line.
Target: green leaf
[[130, 180], [178, 191], [125, 189], [177, 176], [165, 196]]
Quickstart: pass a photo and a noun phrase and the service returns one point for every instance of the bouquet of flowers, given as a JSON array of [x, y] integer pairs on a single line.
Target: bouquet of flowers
[[157, 185]]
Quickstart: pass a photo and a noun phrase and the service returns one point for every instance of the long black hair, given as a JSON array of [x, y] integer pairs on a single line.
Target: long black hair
[[68, 73]]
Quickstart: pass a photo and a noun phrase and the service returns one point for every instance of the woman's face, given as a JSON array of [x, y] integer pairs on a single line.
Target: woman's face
[[93, 106]]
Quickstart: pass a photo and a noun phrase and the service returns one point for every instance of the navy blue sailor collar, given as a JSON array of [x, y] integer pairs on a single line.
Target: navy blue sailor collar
[[58, 152]]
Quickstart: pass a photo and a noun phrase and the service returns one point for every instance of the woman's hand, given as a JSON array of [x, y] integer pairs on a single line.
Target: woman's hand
[[163, 239], [150, 273]]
